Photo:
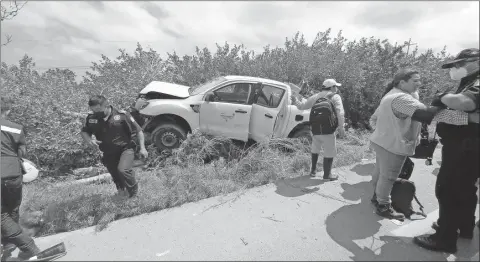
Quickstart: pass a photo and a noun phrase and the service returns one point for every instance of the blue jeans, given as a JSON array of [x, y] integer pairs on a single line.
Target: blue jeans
[[387, 169]]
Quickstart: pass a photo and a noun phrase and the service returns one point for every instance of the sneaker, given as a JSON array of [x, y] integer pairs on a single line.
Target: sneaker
[[7, 251], [313, 174], [388, 212], [9, 247], [331, 177]]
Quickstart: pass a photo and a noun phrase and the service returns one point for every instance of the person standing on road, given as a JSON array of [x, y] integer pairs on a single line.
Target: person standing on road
[[113, 131], [456, 186], [325, 138], [397, 122], [12, 152]]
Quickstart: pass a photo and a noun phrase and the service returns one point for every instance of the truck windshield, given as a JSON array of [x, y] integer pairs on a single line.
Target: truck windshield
[[206, 86]]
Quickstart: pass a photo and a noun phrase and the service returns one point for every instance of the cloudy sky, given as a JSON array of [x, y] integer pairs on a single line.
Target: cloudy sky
[[75, 33]]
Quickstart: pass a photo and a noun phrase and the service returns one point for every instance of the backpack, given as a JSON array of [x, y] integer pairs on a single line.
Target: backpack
[[323, 116], [403, 192]]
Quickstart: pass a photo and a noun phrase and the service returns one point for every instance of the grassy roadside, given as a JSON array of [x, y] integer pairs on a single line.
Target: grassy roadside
[[179, 179]]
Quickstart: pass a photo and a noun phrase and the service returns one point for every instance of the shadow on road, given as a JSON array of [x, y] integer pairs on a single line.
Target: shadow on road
[[298, 186], [363, 169], [358, 223]]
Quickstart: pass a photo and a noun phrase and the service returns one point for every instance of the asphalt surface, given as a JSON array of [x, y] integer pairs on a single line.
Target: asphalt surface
[[296, 219]]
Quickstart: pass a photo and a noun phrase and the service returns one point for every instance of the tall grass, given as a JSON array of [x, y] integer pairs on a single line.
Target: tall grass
[[202, 167]]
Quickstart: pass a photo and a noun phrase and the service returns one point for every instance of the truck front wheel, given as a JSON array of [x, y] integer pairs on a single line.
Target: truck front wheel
[[168, 136], [303, 133]]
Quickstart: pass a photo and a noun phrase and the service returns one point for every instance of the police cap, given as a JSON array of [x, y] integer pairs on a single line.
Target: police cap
[[470, 54]]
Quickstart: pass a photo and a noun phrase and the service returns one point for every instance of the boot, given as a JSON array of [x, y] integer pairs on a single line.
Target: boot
[[313, 171], [432, 242], [387, 211], [327, 169], [133, 191]]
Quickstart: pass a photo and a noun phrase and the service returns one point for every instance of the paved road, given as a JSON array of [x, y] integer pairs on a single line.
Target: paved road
[[295, 219]]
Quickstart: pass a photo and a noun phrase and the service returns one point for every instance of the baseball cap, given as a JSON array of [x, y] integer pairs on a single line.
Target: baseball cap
[[470, 54], [330, 82]]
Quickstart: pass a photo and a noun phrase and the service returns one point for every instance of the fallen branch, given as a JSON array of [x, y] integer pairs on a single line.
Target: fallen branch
[[102, 177]]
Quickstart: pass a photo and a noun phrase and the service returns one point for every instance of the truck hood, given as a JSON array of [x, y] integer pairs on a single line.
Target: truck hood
[[179, 91]]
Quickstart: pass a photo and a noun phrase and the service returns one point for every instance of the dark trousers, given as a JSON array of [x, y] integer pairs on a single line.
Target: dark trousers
[[12, 233], [455, 188], [120, 165]]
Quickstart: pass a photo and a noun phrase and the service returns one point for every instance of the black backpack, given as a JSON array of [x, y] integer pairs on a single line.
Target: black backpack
[[403, 192], [323, 116]]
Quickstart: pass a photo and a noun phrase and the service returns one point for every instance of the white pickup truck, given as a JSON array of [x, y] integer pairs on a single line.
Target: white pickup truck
[[238, 107]]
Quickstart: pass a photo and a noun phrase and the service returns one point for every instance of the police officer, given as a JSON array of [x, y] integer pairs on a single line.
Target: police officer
[[13, 149], [113, 130], [456, 187]]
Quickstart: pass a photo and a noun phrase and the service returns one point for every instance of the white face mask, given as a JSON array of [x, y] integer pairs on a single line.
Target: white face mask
[[458, 73]]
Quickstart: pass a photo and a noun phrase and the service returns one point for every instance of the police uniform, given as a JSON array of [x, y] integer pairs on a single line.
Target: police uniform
[[12, 172], [117, 145], [456, 186]]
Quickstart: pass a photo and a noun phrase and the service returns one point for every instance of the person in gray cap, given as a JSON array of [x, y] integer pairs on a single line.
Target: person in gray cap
[[456, 186]]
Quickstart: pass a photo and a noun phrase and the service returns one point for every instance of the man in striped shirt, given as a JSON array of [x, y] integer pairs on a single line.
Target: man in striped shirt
[[13, 149]]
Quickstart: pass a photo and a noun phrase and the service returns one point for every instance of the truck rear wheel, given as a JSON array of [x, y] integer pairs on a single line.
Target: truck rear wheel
[[303, 133], [168, 136]]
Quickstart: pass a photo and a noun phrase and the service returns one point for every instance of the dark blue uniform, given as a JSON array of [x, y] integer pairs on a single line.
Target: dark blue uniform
[[117, 145], [12, 172], [455, 187]]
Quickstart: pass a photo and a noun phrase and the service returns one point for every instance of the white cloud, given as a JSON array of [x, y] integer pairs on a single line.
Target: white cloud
[[82, 31]]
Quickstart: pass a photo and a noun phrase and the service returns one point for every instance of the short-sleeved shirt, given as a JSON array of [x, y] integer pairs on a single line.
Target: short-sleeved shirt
[[115, 132], [13, 136]]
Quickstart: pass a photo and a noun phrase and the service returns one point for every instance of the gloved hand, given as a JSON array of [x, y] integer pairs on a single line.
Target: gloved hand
[[437, 101]]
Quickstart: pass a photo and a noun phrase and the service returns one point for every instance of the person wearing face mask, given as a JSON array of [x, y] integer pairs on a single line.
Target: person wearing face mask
[[113, 131], [456, 186], [398, 121]]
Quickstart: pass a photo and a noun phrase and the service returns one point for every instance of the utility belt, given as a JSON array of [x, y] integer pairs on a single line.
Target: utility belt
[[115, 148]]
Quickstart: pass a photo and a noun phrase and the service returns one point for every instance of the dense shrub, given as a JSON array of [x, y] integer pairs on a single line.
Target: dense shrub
[[45, 102]]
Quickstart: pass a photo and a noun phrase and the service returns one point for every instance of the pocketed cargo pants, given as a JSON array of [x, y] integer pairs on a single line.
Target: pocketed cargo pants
[[456, 188], [119, 165], [12, 233]]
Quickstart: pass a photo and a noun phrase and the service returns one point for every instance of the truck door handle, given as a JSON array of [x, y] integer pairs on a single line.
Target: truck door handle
[[240, 111], [268, 115]]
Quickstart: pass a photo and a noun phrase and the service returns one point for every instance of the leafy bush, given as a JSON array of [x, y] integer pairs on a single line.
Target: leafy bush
[[48, 104]]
